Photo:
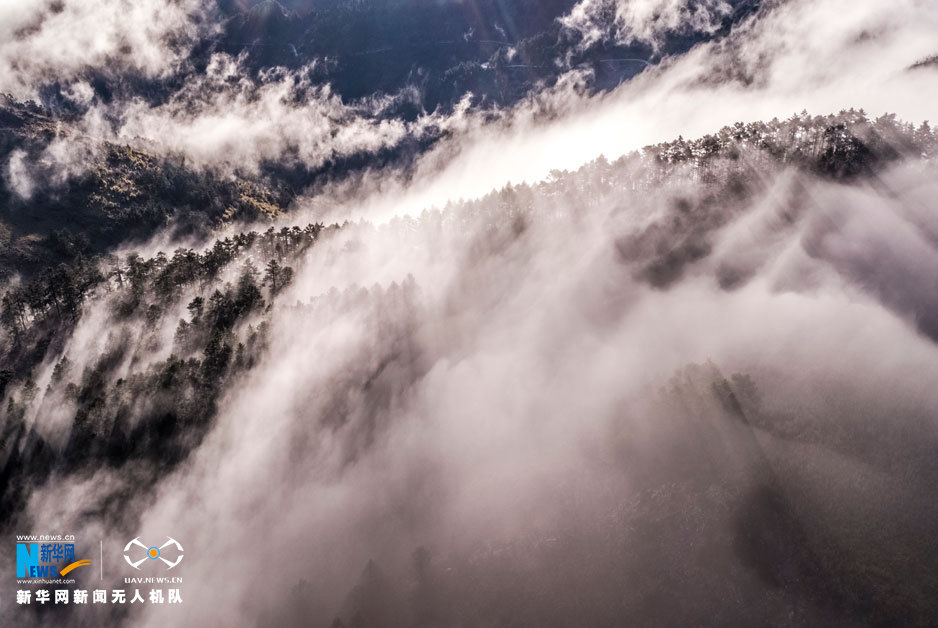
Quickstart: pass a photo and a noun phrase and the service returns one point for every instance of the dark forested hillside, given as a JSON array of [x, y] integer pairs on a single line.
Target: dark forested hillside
[[116, 194], [158, 410]]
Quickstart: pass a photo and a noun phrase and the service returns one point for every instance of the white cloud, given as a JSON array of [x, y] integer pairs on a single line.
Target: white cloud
[[644, 21], [45, 41], [18, 175], [65, 156], [503, 388], [225, 118]]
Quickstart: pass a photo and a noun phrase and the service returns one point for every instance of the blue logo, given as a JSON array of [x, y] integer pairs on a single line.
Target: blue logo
[[34, 560]]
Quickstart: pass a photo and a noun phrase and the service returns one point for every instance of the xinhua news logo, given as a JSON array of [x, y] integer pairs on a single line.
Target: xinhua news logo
[[46, 560]]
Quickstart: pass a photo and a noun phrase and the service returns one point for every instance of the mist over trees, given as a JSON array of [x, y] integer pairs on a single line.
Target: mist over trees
[[134, 355]]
